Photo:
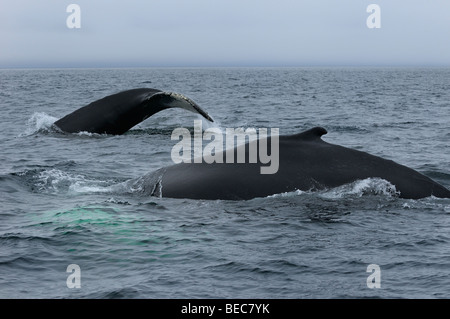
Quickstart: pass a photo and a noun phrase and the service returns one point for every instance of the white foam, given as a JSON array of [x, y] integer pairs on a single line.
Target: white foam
[[39, 122], [86, 133], [287, 194], [368, 186], [406, 206], [57, 181], [373, 186], [78, 187]]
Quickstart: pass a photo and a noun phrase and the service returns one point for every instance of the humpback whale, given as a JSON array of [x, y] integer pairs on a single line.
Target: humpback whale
[[117, 113], [306, 163]]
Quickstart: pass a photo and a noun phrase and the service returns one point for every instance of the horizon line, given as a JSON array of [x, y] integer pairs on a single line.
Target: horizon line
[[223, 66]]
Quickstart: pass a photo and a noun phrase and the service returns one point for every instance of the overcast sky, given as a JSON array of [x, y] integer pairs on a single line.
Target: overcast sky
[[139, 33]]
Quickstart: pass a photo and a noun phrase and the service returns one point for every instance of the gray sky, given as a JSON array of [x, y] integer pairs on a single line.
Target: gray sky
[[136, 33]]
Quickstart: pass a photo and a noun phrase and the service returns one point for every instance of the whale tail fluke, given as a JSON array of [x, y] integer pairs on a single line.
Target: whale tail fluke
[[115, 114], [176, 100]]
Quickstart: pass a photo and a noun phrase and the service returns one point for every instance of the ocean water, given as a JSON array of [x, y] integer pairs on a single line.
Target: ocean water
[[65, 198]]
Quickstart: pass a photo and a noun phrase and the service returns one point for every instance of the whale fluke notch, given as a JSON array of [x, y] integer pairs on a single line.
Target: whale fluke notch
[[117, 113]]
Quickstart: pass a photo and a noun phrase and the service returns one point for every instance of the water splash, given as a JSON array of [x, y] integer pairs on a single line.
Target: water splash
[[287, 194], [57, 181], [368, 186], [39, 122]]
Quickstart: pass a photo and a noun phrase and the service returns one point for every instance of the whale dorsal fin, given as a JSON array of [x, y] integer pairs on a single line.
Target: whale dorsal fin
[[312, 134]]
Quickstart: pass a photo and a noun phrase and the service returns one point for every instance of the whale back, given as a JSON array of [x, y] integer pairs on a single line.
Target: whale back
[[306, 162], [331, 165]]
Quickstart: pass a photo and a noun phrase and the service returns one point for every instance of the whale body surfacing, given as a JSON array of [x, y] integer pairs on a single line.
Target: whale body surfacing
[[117, 113], [306, 163]]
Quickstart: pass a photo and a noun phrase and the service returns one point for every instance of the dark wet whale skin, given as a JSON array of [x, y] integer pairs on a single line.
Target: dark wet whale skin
[[306, 163], [115, 114]]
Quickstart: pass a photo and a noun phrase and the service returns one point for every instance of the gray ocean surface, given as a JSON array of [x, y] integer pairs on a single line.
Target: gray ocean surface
[[64, 197]]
